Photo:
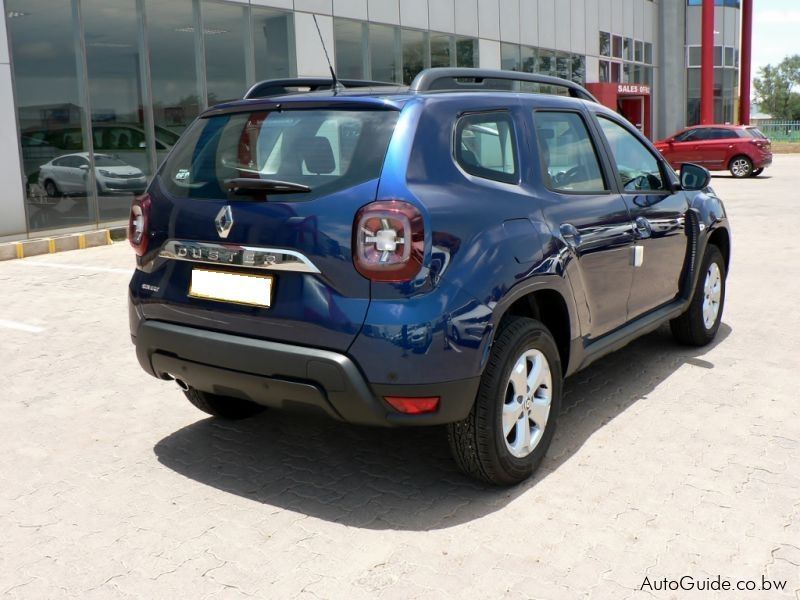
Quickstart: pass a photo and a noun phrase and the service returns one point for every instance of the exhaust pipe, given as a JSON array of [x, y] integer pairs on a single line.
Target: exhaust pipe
[[182, 384]]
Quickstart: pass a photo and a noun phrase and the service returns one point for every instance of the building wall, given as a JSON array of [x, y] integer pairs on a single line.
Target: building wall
[[671, 108], [551, 33]]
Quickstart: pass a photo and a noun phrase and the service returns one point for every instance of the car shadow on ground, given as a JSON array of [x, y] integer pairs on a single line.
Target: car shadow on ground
[[403, 478]]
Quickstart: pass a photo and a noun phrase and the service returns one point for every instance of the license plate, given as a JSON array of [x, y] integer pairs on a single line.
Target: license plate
[[239, 288]]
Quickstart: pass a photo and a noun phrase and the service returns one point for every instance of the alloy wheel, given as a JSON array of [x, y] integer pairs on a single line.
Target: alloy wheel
[[740, 167], [527, 403], [712, 290]]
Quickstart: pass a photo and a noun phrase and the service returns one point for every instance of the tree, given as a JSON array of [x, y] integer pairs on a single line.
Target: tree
[[776, 89]]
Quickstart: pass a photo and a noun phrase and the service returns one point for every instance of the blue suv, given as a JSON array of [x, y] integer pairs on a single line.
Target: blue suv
[[438, 254]]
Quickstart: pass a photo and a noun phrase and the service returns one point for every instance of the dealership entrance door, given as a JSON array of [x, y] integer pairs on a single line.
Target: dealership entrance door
[[631, 100]]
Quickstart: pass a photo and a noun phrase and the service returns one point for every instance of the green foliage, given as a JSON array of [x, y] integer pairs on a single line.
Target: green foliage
[[776, 89]]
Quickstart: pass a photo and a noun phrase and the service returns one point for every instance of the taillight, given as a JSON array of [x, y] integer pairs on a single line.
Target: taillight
[[139, 224], [389, 242]]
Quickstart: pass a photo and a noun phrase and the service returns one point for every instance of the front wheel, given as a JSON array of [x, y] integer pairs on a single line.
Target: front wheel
[[506, 435], [222, 406], [700, 323], [741, 167]]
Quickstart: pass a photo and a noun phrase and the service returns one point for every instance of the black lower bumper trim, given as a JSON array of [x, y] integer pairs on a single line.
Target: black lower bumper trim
[[283, 376]]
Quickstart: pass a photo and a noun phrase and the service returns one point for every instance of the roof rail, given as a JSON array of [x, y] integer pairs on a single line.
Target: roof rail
[[280, 87], [466, 79]]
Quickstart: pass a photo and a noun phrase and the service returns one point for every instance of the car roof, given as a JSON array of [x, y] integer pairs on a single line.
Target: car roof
[[722, 126]]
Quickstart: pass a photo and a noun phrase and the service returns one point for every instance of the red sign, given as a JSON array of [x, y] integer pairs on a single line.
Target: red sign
[[633, 88]]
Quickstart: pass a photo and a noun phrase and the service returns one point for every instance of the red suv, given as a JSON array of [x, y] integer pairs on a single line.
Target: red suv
[[740, 149]]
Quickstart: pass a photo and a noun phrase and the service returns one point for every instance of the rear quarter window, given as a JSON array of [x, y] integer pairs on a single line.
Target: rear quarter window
[[485, 146], [326, 150]]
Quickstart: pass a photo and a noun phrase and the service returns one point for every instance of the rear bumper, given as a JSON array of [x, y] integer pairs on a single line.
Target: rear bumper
[[286, 376], [762, 162]]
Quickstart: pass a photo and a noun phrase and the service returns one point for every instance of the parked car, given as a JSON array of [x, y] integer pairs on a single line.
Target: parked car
[[68, 175], [439, 254], [742, 150], [126, 141]]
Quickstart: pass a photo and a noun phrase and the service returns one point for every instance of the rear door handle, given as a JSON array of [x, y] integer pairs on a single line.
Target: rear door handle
[[643, 228], [571, 235]]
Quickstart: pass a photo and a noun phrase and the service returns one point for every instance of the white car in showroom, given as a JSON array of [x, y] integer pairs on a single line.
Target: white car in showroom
[[68, 175]]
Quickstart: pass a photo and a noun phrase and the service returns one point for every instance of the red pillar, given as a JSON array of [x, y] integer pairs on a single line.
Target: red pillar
[[745, 60], [707, 65]]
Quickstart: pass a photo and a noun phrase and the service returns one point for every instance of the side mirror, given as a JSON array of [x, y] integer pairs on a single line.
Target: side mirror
[[142, 145], [694, 177], [84, 167]]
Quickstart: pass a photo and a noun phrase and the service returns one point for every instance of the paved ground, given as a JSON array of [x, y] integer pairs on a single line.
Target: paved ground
[[668, 462]]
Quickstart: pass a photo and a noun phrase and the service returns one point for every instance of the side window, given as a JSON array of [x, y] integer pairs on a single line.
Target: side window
[[723, 134], [638, 167], [686, 136], [568, 155], [701, 135], [485, 146]]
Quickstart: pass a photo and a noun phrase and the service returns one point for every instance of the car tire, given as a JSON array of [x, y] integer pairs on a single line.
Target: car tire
[[51, 189], [222, 406], [701, 321], [479, 444], [757, 172], [741, 167]]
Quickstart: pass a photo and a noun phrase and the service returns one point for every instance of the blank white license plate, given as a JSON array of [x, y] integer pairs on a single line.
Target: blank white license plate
[[252, 290]]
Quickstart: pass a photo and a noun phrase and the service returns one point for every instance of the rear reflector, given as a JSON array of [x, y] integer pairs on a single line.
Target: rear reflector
[[413, 406]]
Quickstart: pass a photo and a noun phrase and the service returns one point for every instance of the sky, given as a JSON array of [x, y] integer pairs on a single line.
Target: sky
[[776, 31]]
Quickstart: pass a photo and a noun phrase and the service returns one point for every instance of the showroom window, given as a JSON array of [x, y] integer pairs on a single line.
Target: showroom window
[[115, 82], [113, 60], [51, 109], [389, 53]]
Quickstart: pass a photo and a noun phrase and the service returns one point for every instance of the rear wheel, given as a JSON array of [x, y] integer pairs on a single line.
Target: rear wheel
[[741, 167], [222, 406], [700, 323], [757, 172], [51, 189], [506, 435]]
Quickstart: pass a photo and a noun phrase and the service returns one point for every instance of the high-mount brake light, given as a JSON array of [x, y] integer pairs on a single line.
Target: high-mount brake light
[[389, 242], [139, 224]]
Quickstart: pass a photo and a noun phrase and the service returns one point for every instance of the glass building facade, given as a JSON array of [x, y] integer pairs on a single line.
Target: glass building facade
[[95, 93], [396, 54], [103, 89]]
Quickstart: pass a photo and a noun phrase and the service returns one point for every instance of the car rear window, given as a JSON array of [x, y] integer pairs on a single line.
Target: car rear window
[[326, 150], [756, 133]]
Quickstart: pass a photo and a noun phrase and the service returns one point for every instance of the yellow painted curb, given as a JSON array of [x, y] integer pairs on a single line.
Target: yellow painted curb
[[51, 246], [20, 250], [81, 241]]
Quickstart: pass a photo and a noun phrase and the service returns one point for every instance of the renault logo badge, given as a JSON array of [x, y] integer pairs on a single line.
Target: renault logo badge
[[224, 222]]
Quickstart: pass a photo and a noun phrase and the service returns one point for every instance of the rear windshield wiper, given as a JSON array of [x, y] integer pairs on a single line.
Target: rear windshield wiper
[[253, 187]]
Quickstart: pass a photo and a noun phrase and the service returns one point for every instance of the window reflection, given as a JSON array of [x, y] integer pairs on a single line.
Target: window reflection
[[115, 95], [227, 56], [415, 53], [173, 69], [273, 42], [383, 57], [50, 110]]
